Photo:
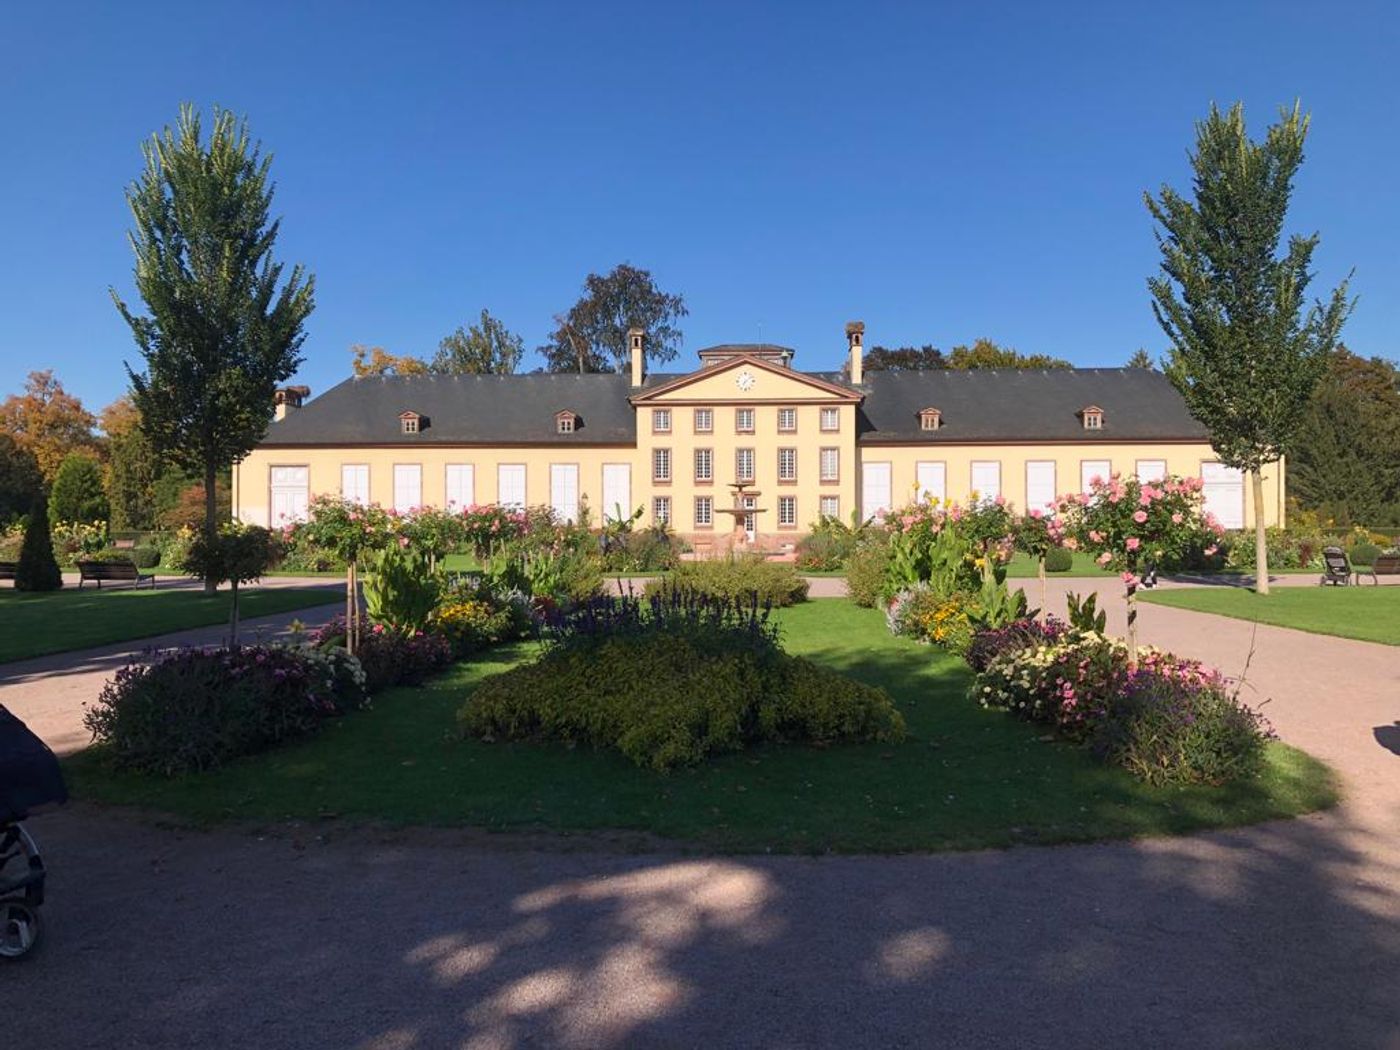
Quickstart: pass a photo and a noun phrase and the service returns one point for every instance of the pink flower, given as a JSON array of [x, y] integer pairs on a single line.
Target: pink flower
[[1095, 536], [1071, 544], [1211, 550], [1104, 558], [1129, 579], [1036, 514], [1134, 543], [1140, 516], [1176, 518]]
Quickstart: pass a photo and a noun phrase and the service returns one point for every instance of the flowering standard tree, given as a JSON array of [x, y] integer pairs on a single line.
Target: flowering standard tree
[[1036, 534], [1137, 526], [350, 530]]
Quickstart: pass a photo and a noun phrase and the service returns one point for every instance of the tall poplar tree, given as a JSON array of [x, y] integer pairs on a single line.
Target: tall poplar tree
[[224, 327], [1246, 349]]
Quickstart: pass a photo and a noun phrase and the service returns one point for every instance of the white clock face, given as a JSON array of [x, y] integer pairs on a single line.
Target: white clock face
[[744, 380]]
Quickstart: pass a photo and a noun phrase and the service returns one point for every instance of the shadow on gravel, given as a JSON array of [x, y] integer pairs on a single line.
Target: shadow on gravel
[[1388, 737]]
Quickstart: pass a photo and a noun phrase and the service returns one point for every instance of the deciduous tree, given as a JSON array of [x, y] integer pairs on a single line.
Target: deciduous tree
[[487, 347], [1246, 350], [592, 335], [376, 361], [225, 321], [133, 468], [77, 493], [903, 358], [983, 353], [48, 421], [21, 483]]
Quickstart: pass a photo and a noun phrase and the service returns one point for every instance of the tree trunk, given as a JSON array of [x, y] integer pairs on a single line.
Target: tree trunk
[[1132, 626], [233, 617], [211, 525], [1040, 569], [1261, 543], [349, 604]]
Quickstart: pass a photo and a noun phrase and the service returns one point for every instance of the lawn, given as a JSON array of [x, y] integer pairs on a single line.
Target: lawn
[[965, 778], [1370, 614], [57, 621], [1022, 567]]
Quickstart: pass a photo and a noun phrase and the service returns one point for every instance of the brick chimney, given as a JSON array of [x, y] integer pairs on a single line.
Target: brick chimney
[[288, 399], [639, 360], [855, 337]]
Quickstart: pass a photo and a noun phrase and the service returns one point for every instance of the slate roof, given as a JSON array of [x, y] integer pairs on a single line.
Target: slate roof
[[1015, 405], [977, 406]]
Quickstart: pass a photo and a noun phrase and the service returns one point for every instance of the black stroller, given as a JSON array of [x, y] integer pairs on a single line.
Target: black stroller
[[29, 777]]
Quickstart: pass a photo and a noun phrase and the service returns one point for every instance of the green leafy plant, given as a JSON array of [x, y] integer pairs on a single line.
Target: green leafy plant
[[235, 555], [735, 579], [37, 569], [402, 589], [1084, 614], [1058, 559]]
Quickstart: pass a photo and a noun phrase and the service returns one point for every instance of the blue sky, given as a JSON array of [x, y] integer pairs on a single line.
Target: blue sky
[[941, 171]]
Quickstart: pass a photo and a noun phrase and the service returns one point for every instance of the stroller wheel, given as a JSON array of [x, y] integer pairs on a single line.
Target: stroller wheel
[[19, 929]]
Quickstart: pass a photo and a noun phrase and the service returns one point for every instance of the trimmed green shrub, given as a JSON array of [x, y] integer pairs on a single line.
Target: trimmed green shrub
[[867, 570], [145, 557], [736, 579], [668, 699], [1365, 554], [822, 552], [1058, 559], [38, 568], [195, 709], [77, 493]]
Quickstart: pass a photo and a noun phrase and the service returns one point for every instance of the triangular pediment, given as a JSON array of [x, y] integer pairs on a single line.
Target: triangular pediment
[[747, 378]]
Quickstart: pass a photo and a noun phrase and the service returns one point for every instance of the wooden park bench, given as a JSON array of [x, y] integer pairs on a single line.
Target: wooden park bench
[[1387, 564], [8, 569], [122, 571]]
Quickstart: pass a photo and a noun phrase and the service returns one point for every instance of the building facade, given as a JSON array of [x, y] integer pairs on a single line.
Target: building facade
[[745, 450]]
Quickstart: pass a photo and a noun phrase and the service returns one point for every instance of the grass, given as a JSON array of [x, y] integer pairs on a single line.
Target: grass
[[57, 621], [1369, 614], [965, 778], [1023, 567]]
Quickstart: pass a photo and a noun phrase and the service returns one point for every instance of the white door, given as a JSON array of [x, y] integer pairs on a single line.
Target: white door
[[1089, 469], [1224, 493], [1151, 470], [986, 478], [1040, 484], [874, 489], [750, 520], [510, 485], [354, 483], [408, 486], [932, 479], [291, 492], [461, 486], [563, 490], [617, 491]]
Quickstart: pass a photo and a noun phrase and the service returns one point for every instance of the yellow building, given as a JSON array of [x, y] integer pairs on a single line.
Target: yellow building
[[745, 431]]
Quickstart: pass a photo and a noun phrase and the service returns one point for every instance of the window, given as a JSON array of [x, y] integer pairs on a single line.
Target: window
[[660, 420], [1151, 470], [743, 420], [831, 420], [930, 419], [874, 489], [787, 464], [564, 422], [1223, 489], [617, 491], [831, 464], [510, 485], [787, 512], [409, 423], [661, 464], [704, 464], [704, 512], [461, 486], [291, 490], [354, 482], [408, 486], [661, 510], [743, 464], [563, 491], [704, 420], [831, 506], [932, 480], [1089, 469], [986, 478], [787, 420], [1093, 417], [1040, 484]]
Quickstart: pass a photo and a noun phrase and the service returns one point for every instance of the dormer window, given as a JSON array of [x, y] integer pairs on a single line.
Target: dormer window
[[1093, 417], [930, 419], [565, 422], [410, 422]]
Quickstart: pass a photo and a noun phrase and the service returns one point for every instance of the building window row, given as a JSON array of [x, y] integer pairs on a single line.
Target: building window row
[[744, 420]]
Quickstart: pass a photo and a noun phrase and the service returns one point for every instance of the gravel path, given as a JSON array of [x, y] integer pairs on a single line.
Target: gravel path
[[1281, 935]]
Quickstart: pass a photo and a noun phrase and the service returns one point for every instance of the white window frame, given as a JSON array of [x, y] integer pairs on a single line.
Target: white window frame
[[704, 457], [831, 421], [834, 474], [989, 484], [787, 512], [661, 464], [871, 505], [741, 414], [1227, 484], [563, 491], [708, 415], [292, 483], [354, 483], [408, 487], [1093, 468], [661, 510], [506, 473], [707, 519], [1155, 477], [787, 464], [931, 479], [1033, 484], [459, 485], [830, 507], [745, 457], [660, 420], [617, 476], [789, 413]]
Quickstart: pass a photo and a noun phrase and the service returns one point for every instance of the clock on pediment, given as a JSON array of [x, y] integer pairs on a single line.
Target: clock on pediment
[[744, 379]]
